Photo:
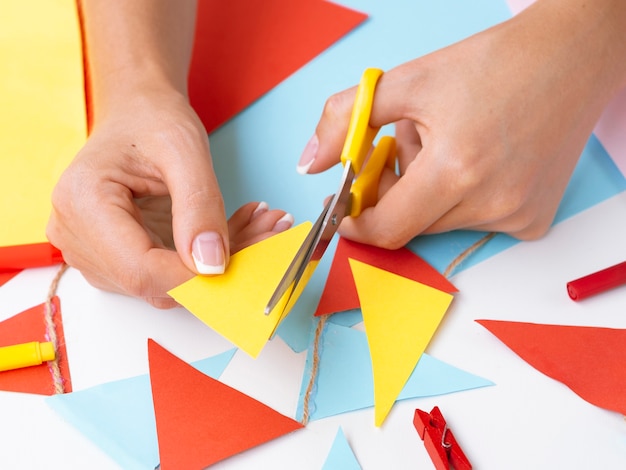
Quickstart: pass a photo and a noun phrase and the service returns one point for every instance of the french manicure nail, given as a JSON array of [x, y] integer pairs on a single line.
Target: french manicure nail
[[308, 155], [284, 223], [207, 251], [260, 209]]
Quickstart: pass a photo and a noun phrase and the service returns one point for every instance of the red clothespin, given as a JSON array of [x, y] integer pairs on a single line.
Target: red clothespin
[[439, 441]]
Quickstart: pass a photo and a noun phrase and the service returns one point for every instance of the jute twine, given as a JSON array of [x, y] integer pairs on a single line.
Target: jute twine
[[51, 331]]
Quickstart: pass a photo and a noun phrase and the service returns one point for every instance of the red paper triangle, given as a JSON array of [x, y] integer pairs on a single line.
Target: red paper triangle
[[340, 291], [201, 421], [25, 327], [243, 49], [589, 360]]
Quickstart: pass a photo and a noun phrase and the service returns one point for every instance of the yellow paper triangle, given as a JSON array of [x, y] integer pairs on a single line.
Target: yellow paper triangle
[[400, 317], [233, 303], [43, 118]]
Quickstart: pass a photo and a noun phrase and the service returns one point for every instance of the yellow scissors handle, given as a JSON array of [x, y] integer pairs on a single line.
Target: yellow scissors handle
[[364, 191]]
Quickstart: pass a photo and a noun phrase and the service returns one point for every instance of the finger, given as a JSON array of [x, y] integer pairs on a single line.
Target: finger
[[390, 105], [198, 216], [408, 143], [413, 203]]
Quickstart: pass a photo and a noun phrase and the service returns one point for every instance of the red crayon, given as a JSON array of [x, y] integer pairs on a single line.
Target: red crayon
[[596, 283], [17, 257]]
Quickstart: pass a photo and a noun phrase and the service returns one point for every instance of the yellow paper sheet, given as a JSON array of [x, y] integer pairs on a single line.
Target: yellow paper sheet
[[233, 303], [42, 117], [400, 317]]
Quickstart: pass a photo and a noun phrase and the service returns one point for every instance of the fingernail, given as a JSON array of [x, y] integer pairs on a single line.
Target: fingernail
[[284, 223], [207, 251], [260, 209], [308, 155]]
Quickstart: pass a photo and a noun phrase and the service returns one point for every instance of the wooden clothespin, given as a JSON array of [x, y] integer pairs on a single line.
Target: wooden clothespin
[[439, 441]]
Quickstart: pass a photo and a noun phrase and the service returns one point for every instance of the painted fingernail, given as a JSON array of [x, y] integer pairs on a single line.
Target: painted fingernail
[[308, 155], [207, 251], [284, 223], [260, 209]]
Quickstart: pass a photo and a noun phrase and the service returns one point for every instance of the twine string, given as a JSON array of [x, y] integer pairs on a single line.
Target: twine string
[[320, 326], [51, 331]]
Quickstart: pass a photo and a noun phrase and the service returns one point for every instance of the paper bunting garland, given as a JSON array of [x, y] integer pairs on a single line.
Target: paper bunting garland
[[344, 381], [25, 327], [212, 422], [239, 296], [244, 49], [589, 360], [340, 291]]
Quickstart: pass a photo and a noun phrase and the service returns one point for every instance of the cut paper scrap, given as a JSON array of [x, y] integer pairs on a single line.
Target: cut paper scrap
[[43, 121], [589, 360], [244, 49], [341, 456], [25, 327], [212, 422], [344, 379], [340, 292], [233, 304], [118, 416], [400, 317]]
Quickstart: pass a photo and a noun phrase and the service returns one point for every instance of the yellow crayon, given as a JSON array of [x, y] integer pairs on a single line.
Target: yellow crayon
[[25, 355]]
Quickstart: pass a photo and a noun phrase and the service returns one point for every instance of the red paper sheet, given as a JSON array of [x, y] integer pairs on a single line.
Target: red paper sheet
[[589, 360], [29, 326], [340, 291], [201, 421], [243, 49]]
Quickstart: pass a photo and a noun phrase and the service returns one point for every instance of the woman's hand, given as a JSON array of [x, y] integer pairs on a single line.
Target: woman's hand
[[489, 129], [139, 210]]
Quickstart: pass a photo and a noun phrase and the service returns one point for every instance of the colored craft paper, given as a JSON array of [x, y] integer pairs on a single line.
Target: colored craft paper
[[589, 360], [400, 316], [243, 49], [119, 416], [341, 456], [233, 303], [25, 327], [42, 123], [212, 422], [340, 291], [344, 379]]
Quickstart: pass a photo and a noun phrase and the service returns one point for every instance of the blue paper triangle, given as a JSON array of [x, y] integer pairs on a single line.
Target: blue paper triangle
[[341, 456]]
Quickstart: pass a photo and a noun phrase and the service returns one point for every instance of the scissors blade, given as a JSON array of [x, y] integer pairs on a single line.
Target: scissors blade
[[317, 241]]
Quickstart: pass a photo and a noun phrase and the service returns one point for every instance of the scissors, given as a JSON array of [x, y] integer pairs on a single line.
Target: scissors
[[357, 191]]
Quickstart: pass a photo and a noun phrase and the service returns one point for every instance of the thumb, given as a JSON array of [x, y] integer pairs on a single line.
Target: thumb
[[324, 148], [198, 216]]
